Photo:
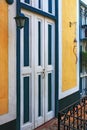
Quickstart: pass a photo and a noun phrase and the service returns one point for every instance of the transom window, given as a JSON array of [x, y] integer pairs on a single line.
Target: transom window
[[45, 5]]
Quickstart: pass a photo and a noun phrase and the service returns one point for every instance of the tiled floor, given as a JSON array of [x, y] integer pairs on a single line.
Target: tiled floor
[[51, 125]]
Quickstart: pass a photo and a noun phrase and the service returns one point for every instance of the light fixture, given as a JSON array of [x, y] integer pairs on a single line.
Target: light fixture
[[20, 20], [75, 40], [10, 1], [70, 25]]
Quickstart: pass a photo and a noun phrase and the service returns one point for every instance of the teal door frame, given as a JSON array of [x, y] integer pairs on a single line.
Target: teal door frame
[[19, 6]]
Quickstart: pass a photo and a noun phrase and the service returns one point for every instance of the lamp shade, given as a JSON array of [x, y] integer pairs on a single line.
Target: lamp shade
[[75, 40], [20, 20], [10, 1]]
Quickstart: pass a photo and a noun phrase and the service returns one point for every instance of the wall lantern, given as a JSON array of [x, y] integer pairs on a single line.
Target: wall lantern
[[70, 25], [10, 1], [75, 40], [20, 20]]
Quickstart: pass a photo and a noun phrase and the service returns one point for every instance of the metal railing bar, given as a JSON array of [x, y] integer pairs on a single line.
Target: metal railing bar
[[74, 116]]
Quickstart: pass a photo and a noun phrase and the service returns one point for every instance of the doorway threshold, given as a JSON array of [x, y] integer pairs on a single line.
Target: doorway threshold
[[50, 125]]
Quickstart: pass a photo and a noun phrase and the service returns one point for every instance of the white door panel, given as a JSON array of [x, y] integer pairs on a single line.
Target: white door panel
[[39, 100], [47, 67], [39, 73], [27, 78]]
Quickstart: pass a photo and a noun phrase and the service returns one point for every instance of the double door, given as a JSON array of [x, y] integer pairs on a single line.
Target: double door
[[37, 72]]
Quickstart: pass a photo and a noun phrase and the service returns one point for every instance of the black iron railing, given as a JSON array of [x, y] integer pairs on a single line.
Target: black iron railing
[[74, 117]]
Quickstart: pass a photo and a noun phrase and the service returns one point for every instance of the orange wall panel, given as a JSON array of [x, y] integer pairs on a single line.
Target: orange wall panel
[[3, 57]]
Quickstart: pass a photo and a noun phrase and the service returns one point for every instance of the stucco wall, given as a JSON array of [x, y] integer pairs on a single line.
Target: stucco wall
[[7, 62], [69, 72], [68, 49], [3, 57]]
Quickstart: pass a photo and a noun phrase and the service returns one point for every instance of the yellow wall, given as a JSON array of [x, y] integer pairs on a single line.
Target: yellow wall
[[69, 79], [3, 57]]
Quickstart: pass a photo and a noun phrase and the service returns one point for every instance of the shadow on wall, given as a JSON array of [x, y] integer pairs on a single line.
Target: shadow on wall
[[9, 126]]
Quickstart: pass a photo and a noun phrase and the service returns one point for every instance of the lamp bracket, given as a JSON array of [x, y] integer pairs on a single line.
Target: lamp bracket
[[71, 23]]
